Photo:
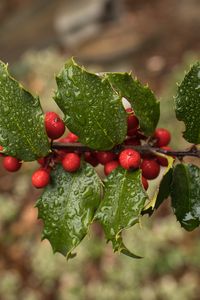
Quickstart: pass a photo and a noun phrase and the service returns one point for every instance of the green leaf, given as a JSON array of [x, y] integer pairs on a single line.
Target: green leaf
[[187, 104], [67, 207], [121, 206], [141, 98], [164, 188], [160, 190], [163, 193], [22, 132], [92, 109], [186, 195]]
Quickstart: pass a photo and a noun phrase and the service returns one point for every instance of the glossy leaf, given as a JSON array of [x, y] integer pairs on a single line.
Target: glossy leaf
[[164, 188], [141, 98], [121, 206], [187, 104], [164, 184], [186, 195], [67, 207], [163, 193], [92, 109], [22, 132]]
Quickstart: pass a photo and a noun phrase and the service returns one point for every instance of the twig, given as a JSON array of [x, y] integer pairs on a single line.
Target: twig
[[143, 149]]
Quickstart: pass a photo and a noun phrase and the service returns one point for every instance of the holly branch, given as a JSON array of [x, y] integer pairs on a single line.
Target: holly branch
[[143, 149]]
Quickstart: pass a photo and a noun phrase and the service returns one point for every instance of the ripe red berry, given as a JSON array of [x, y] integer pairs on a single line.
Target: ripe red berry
[[73, 138], [60, 154], [110, 166], [105, 156], [71, 162], [91, 158], [132, 141], [63, 140], [161, 160], [150, 168], [145, 183], [162, 137], [132, 122], [41, 161], [129, 110], [11, 164], [41, 178], [141, 136], [1, 149], [55, 127], [129, 159], [148, 156]]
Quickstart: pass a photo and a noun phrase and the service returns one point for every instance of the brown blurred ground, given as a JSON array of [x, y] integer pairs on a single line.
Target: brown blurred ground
[[149, 37]]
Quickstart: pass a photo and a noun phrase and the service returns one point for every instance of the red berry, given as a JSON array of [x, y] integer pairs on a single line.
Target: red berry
[[60, 154], [150, 168], [129, 159], [1, 149], [161, 160], [132, 122], [63, 140], [162, 137], [141, 136], [11, 164], [47, 169], [41, 161], [40, 178], [129, 110], [105, 156], [91, 158], [55, 127], [132, 132], [145, 183], [132, 141], [110, 166], [148, 156], [71, 162], [73, 138]]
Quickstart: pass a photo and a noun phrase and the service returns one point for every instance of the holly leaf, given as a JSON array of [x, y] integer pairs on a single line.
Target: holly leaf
[[22, 132], [92, 109], [187, 104], [163, 192], [141, 98], [67, 207], [123, 201], [164, 188], [185, 195]]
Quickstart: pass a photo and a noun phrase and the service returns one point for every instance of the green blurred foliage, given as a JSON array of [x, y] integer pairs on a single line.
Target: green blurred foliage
[[168, 117]]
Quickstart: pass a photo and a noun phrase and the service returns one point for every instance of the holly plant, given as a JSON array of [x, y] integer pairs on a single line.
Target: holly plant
[[124, 140]]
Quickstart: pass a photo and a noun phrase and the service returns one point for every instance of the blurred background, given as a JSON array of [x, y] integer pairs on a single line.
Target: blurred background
[[155, 39]]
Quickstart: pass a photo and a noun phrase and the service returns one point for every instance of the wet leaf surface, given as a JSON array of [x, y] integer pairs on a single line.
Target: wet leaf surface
[[92, 109], [22, 132], [186, 195], [141, 98], [67, 207], [187, 104], [163, 192], [124, 198]]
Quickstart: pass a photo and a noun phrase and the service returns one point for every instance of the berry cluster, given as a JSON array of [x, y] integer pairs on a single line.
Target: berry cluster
[[55, 128], [128, 158]]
